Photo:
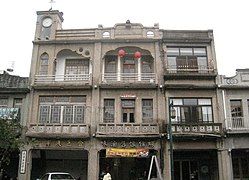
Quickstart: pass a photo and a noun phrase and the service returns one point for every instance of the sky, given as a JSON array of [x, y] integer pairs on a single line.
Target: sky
[[229, 19]]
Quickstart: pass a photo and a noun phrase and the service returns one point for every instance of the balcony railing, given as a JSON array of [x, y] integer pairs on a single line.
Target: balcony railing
[[10, 113], [197, 129], [200, 69], [237, 124], [129, 78], [127, 129], [74, 78], [58, 130]]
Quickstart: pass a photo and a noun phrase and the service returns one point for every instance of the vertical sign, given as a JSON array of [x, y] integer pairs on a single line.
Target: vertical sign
[[23, 162]]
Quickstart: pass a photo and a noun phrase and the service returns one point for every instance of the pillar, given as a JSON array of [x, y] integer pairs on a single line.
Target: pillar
[[225, 165], [93, 164]]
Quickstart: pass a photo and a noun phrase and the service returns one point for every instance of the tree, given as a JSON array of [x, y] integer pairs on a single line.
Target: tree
[[10, 139]]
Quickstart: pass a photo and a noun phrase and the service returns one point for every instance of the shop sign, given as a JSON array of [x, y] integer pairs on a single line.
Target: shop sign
[[127, 144], [128, 96], [120, 152]]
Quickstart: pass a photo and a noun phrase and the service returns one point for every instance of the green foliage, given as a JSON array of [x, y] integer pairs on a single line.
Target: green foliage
[[10, 139]]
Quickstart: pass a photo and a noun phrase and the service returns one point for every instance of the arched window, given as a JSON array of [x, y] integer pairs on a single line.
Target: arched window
[[43, 64]]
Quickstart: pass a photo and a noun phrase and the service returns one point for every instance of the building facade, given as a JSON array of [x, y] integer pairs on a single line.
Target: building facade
[[103, 99], [13, 102], [234, 97]]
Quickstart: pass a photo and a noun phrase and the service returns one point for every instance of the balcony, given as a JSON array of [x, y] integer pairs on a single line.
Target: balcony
[[129, 78], [197, 129], [237, 125], [187, 71], [58, 130], [10, 113], [62, 80], [127, 130]]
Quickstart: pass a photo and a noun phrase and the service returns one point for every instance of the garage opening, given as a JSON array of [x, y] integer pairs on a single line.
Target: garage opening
[[73, 162]]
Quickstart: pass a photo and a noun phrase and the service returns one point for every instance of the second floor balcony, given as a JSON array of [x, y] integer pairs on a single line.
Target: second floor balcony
[[120, 130], [197, 129], [58, 130]]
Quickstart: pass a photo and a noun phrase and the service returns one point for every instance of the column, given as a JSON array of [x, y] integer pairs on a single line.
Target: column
[[93, 164], [166, 169], [119, 69], [139, 69], [225, 165]]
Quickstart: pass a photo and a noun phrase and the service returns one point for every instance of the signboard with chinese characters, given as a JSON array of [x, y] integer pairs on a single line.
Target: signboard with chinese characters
[[122, 152], [23, 162]]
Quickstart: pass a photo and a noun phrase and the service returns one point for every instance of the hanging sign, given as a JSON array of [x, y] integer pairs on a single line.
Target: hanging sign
[[121, 152]]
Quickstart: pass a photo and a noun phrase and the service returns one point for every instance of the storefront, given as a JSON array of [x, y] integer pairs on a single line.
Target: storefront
[[195, 165], [127, 163]]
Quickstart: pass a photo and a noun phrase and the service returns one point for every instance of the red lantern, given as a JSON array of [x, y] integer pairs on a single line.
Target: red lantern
[[121, 53], [137, 55]]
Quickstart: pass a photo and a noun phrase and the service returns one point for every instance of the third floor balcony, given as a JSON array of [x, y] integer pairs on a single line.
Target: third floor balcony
[[124, 78], [62, 80], [189, 62]]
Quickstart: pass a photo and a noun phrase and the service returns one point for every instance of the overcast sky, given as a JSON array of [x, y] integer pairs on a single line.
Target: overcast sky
[[229, 20]]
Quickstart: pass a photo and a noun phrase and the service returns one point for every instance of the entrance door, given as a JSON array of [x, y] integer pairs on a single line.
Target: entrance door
[[186, 170]]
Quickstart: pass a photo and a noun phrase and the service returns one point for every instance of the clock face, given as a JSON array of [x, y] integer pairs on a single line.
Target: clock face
[[47, 22]]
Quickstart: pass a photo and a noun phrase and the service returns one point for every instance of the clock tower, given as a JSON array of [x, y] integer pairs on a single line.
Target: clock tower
[[47, 24]]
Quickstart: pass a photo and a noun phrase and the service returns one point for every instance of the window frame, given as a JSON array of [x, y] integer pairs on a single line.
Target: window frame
[[199, 118], [60, 103], [235, 115], [185, 58], [109, 110], [148, 110]]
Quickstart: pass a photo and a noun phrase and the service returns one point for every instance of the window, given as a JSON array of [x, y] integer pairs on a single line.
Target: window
[[110, 64], [76, 67], [44, 64], [3, 102], [147, 110], [147, 65], [128, 111], [129, 65], [193, 110], [236, 108], [187, 59], [62, 109], [109, 110]]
